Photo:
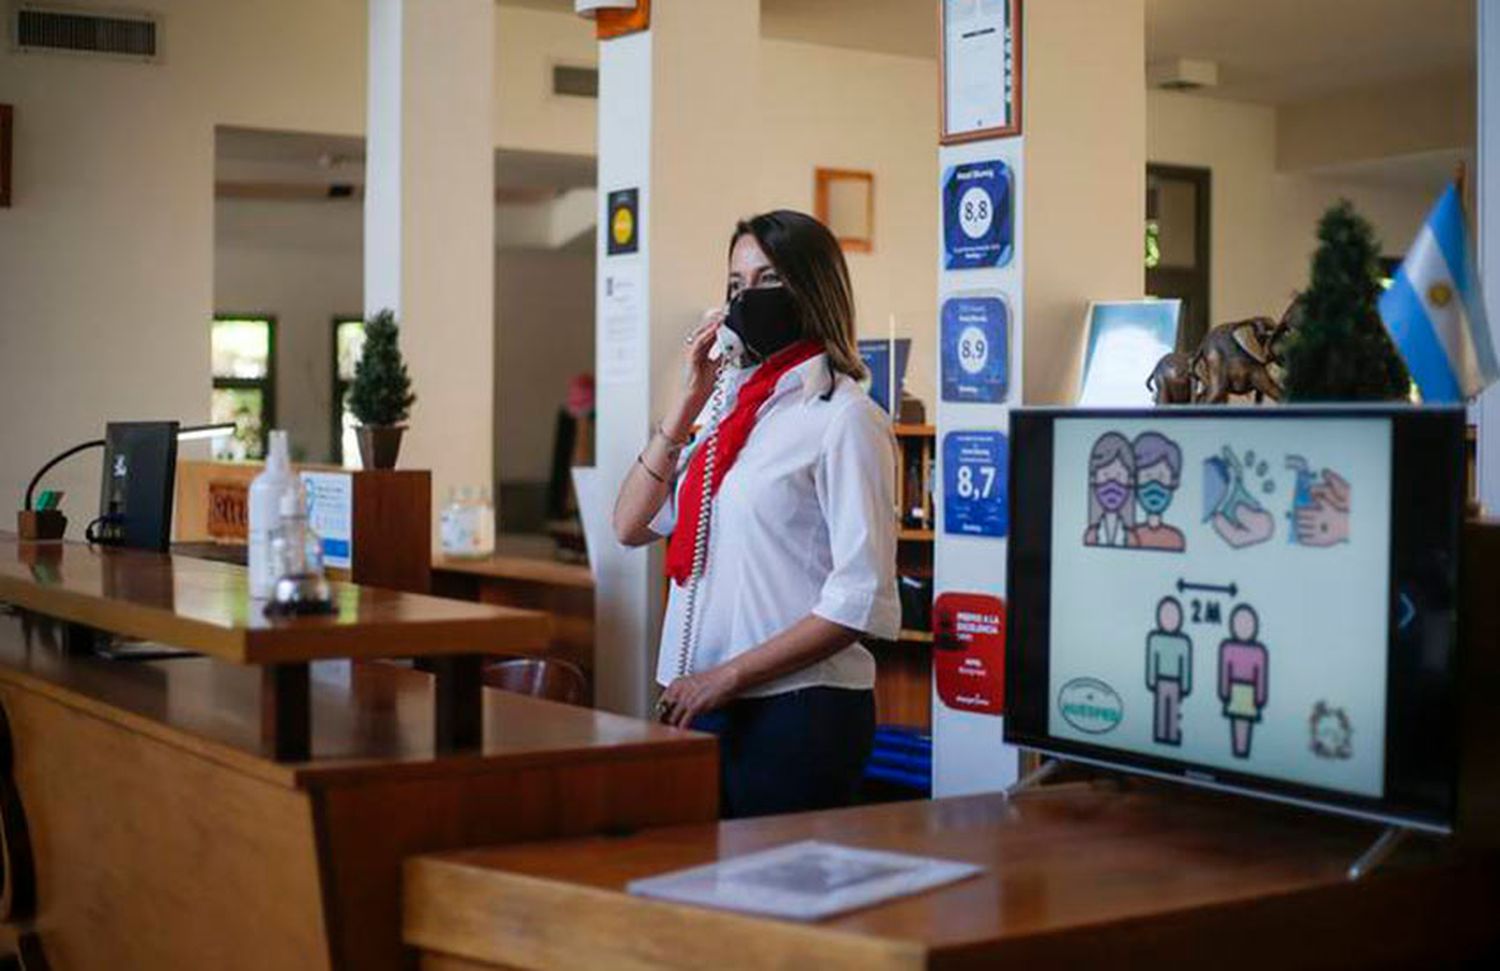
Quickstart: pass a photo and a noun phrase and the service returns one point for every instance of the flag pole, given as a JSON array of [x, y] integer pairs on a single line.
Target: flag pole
[[1460, 179]]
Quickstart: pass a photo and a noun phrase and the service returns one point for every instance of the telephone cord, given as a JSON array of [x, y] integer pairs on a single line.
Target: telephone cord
[[700, 537]]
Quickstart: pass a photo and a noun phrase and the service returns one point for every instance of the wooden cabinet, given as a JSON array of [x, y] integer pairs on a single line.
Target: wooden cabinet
[[151, 822], [903, 683]]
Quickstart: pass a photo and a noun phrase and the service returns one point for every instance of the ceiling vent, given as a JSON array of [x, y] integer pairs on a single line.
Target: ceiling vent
[[1182, 74], [41, 28], [575, 82]]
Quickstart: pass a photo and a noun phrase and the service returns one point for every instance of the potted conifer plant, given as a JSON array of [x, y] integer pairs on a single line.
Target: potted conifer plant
[[380, 396], [1339, 350]]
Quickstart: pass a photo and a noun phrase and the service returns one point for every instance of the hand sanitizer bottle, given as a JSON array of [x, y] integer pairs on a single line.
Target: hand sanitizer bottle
[[265, 513]]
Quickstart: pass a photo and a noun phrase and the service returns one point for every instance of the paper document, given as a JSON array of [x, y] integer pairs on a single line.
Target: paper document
[[804, 881]]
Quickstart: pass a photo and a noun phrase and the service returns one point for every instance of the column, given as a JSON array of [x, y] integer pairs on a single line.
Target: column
[[677, 117], [1078, 168], [430, 222], [1486, 410]]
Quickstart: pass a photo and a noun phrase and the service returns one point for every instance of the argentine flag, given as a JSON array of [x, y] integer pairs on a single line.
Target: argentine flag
[[1434, 312]]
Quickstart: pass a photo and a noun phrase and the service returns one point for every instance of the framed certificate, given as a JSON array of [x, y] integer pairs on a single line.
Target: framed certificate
[[980, 64]]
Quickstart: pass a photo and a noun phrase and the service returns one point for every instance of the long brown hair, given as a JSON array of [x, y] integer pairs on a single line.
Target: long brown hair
[[812, 267]]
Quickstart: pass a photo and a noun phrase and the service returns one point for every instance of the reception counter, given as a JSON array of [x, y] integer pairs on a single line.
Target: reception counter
[[153, 818], [1077, 875], [1121, 874]]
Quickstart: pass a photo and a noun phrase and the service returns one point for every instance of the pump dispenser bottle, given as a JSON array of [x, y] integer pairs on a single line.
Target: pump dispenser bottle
[[265, 513]]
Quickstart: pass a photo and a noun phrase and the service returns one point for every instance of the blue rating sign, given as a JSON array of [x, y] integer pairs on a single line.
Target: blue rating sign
[[975, 470], [976, 349], [978, 215]]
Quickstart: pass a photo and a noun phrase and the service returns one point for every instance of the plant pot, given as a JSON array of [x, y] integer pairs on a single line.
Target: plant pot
[[379, 445]]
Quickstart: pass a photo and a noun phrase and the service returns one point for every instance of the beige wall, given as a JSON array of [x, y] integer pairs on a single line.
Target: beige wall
[[106, 257], [1084, 183], [544, 335], [836, 108], [1263, 220], [300, 261], [527, 114], [1399, 119]]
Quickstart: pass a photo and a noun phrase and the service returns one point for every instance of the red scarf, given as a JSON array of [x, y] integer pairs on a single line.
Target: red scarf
[[734, 431]]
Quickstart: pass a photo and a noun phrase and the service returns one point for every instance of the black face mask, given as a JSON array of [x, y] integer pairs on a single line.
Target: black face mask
[[766, 319]]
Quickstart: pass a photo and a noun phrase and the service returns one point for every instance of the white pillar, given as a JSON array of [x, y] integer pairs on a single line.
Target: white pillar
[[430, 221], [1080, 170], [1487, 410], [677, 118]]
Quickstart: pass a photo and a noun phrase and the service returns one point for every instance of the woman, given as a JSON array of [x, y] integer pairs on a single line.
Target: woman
[[1243, 677], [1111, 489], [799, 557]]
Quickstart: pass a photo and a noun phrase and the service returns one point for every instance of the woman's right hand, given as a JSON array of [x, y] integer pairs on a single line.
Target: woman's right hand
[[699, 374]]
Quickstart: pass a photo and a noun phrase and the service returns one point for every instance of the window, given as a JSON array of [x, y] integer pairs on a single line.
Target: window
[[348, 344], [244, 390]]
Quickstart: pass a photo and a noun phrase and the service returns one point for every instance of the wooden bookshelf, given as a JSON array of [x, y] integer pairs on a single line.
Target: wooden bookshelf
[[903, 690]]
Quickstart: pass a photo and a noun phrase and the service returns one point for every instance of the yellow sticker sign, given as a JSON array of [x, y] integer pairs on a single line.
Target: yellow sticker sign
[[624, 222]]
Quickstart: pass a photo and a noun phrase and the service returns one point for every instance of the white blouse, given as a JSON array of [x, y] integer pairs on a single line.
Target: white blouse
[[803, 523]]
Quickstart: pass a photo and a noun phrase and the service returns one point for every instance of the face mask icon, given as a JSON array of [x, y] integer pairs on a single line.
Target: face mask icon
[[1154, 497], [1112, 495]]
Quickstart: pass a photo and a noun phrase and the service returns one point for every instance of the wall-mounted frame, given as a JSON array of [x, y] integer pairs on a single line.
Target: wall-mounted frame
[[7, 118], [979, 67], [844, 201]]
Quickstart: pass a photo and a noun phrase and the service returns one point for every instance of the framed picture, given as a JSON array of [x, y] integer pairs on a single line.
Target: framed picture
[[844, 201], [7, 116], [979, 62], [1124, 340]]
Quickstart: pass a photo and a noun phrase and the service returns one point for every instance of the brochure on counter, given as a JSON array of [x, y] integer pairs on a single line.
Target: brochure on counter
[[804, 881]]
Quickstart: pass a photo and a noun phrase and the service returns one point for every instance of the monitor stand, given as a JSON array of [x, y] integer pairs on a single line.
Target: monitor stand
[[1034, 778], [1380, 850]]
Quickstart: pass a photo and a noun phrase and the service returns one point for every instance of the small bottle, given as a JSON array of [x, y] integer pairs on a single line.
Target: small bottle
[[484, 528], [265, 513], [452, 527], [297, 559]]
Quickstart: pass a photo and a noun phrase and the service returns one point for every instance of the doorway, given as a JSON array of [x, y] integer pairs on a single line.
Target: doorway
[[1178, 206]]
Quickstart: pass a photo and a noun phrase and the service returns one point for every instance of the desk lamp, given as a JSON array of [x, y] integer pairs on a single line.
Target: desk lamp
[[45, 521]]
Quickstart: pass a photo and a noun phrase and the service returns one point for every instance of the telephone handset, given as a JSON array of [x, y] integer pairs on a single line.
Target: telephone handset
[[729, 350]]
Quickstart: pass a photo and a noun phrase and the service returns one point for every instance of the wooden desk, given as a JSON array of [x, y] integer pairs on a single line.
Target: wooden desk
[[1077, 876], [524, 573], [149, 826], [205, 606]]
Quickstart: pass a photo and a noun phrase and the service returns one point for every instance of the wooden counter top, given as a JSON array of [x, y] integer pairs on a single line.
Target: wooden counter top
[[1074, 875], [367, 717], [524, 559], [205, 606]]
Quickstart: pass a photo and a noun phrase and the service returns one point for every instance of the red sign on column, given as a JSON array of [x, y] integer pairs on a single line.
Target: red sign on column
[[969, 652]]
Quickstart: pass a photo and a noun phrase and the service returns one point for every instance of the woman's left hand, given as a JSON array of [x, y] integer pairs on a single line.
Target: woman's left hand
[[697, 694]]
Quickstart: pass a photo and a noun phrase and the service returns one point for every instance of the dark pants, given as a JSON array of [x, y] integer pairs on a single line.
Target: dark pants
[[792, 752]]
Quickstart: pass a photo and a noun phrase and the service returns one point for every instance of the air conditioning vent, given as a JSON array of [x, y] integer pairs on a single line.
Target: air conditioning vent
[[575, 82], [39, 28]]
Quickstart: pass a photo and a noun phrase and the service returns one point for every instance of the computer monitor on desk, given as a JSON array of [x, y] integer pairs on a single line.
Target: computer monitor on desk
[[135, 494], [1261, 600]]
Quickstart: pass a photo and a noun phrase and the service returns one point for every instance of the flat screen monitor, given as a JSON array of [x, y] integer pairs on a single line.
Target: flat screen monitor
[[135, 497], [1262, 600]]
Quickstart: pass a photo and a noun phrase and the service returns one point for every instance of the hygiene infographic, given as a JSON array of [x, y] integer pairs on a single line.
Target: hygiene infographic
[[1220, 593]]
